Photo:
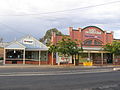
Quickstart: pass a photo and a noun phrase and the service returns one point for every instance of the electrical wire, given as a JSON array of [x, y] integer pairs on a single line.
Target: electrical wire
[[67, 10]]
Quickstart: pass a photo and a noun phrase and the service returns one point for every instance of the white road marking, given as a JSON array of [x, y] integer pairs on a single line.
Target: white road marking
[[52, 73]]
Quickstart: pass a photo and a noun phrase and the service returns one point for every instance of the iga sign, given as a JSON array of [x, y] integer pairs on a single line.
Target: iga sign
[[93, 31], [27, 41]]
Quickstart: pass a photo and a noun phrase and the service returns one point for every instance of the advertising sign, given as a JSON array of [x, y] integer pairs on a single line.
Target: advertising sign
[[63, 59], [27, 41], [93, 31]]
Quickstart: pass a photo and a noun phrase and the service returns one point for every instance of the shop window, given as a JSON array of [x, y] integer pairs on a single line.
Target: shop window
[[88, 42], [32, 55], [14, 54], [44, 56]]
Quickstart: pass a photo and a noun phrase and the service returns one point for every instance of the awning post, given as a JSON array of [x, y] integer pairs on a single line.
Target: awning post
[[24, 56], [39, 57], [4, 56], [102, 58]]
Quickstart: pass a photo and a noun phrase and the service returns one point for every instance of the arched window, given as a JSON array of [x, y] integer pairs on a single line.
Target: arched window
[[88, 42], [96, 42]]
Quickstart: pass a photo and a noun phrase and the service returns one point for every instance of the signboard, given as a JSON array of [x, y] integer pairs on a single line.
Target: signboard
[[93, 31], [63, 59], [91, 36], [27, 41]]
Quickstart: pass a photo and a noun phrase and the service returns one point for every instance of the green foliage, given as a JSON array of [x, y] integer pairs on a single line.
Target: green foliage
[[113, 48], [46, 39], [68, 47], [53, 48], [83, 60], [1, 58]]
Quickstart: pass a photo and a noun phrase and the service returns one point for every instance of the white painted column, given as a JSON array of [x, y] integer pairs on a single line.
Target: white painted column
[[114, 59], [58, 60], [4, 56], [102, 59], [39, 57], [24, 56], [89, 56], [74, 59], [52, 59]]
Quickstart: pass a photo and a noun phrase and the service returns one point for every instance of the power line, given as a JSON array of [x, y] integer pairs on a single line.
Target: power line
[[67, 10]]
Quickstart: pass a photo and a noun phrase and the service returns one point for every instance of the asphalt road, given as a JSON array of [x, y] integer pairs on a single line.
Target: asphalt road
[[61, 81]]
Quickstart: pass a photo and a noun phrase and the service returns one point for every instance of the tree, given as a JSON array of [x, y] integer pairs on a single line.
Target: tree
[[53, 49], [68, 47], [113, 48], [47, 37]]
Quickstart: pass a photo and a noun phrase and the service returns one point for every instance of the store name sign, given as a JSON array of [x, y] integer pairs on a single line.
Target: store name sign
[[93, 31], [28, 41]]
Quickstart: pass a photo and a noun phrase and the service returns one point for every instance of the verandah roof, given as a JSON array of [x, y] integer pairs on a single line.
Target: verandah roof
[[19, 44]]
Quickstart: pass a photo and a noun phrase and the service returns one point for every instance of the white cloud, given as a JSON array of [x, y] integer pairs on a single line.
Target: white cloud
[[106, 17]]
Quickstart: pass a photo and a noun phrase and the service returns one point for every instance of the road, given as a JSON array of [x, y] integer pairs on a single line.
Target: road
[[58, 79]]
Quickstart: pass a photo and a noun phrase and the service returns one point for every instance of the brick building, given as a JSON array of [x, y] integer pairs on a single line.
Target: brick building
[[93, 39]]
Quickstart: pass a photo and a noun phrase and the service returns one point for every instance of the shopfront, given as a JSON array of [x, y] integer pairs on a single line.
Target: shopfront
[[26, 50], [92, 39]]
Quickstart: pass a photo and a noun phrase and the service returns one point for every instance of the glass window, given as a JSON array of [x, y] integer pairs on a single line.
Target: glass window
[[32, 55], [14, 54], [88, 42], [44, 56], [96, 42]]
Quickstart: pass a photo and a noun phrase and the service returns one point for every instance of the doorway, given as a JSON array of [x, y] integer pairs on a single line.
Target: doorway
[[109, 58]]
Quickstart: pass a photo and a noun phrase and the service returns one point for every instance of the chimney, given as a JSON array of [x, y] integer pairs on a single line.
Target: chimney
[[112, 32], [70, 29], [53, 37], [79, 29]]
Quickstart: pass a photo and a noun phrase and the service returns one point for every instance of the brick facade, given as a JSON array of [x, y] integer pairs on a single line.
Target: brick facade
[[88, 33], [92, 37]]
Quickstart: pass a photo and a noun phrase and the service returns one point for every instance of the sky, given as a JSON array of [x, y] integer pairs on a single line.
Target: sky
[[22, 17]]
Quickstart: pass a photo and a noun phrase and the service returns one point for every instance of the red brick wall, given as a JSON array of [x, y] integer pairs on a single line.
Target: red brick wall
[[36, 62], [86, 35], [50, 59], [8, 62], [109, 38], [82, 35]]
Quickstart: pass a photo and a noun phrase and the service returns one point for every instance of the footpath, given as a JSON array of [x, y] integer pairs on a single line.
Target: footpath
[[114, 67], [24, 70]]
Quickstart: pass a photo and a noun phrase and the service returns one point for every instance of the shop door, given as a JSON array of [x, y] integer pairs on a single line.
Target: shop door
[[109, 58]]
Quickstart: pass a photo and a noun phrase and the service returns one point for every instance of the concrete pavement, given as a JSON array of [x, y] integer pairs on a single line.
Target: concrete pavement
[[30, 70], [54, 66]]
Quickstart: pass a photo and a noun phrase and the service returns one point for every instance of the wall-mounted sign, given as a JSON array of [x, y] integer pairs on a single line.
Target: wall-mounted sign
[[93, 31], [91, 36], [27, 41]]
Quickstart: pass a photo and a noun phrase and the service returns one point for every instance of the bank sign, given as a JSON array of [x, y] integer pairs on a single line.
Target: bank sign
[[27, 41]]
